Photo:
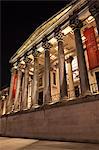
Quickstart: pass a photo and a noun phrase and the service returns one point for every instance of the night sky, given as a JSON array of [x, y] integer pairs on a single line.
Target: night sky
[[18, 20]]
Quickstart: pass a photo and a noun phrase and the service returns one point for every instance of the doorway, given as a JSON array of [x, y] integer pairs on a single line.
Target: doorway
[[97, 79], [77, 91], [40, 100]]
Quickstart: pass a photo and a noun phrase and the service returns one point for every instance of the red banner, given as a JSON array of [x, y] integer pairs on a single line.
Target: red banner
[[98, 55], [14, 85], [92, 49]]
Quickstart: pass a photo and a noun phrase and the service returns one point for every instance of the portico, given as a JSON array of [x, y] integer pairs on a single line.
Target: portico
[[54, 87], [53, 60]]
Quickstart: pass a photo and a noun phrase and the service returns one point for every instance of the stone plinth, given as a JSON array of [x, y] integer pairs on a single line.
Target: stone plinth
[[75, 120]]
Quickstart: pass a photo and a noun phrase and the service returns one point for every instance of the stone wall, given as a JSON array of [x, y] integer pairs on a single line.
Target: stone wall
[[76, 120]]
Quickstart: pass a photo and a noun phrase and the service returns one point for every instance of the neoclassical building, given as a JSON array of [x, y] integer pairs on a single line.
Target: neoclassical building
[[59, 61], [56, 61]]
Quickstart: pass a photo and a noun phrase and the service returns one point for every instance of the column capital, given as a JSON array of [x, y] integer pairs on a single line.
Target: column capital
[[75, 23], [35, 53], [58, 34], [69, 59], [13, 69], [94, 7], [20, 66], [46, 45], [27, 60]]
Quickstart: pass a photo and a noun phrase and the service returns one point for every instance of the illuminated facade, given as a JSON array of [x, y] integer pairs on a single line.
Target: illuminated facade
[[57, 61]]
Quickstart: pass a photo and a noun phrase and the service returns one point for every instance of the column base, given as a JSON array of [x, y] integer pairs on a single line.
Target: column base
[[46, 102], [16, 110], [72, 98], [24, 109], [71, 94], [8, 113], [12, 108], [53, 102], [64, 98], [35, 106], [87, 93]]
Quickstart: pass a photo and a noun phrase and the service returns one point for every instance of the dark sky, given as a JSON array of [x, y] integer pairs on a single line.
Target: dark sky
[[18, 20]]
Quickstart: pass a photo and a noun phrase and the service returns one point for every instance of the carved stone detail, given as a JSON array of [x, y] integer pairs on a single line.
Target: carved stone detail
[[27, 62], [75, 22], [46, 45], [20, 66], [36, 53], [13, 69], [59, 35]]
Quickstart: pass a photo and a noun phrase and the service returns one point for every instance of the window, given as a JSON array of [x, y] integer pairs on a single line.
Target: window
[[40, 81], [40, 100], [54, 78], [97, 79], [77, 91]]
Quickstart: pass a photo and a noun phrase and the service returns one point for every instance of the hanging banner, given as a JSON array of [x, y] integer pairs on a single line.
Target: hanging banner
[[14, 85], [92, 49], [98, 49]]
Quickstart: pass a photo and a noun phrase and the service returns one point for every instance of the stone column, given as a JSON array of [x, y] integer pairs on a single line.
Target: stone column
[[47, 83], [34, 90], [26, 80], [7, 97], [4, 106], [70, 78], [1, 107], [76, 24], [22, 93], [62, 66], [18, 89], [10, 100], [94, 10]]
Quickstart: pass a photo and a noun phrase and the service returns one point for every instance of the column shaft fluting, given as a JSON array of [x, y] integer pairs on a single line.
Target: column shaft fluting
[[83, 74], [10, 99], [22, 93], [34, 90], [47, 82], [26, 80], [4, 107], [70, 78], [18, 89], [62, 66]]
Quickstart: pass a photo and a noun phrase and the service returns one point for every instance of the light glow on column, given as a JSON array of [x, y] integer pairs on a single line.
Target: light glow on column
[[22, 62], [56, 48], [32, 69], [67, 30], [90, 19], [15, 66], [40, 49], [53, 41], [30, 56], [52, 56], [83, 38]]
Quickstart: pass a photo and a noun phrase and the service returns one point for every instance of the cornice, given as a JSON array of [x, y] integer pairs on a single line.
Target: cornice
[[46, 28]]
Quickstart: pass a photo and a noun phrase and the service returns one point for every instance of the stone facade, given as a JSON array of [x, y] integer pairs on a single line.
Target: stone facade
[[65, 121], [54, 94]]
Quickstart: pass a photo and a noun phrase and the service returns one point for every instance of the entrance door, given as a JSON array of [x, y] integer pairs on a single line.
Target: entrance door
[[77, 91], [97, 79], [40, 100]]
